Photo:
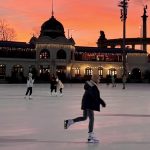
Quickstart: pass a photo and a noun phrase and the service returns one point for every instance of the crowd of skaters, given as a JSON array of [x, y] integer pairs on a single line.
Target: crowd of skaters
[[55, 84], [91, 101]]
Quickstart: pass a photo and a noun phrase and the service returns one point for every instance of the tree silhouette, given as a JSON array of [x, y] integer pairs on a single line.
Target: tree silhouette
[[6, 33]]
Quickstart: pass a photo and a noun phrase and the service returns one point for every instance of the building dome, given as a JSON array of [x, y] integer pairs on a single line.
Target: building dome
[[52, 28]]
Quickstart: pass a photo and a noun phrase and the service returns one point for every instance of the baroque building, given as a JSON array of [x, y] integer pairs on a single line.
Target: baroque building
[[53, 53]]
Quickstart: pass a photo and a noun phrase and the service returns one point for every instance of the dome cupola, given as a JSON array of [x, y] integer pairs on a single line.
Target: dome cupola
[[52, 28]]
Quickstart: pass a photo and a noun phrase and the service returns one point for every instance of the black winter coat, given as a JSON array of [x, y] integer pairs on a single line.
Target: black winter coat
[[91, 98]]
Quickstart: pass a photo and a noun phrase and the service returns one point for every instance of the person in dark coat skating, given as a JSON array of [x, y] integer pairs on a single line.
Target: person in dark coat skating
[[53, 85], [90, 102]]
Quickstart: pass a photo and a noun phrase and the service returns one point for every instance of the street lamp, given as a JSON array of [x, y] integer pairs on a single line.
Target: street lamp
[[124, 4]]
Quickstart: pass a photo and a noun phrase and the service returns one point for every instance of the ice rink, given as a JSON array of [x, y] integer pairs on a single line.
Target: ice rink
[[37, 124]]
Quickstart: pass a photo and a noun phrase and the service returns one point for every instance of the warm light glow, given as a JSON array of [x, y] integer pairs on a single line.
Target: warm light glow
[[84, 18]]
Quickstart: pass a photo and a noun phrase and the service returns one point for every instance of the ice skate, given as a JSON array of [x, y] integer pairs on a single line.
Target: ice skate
[[30, 97], [67, 123], [92, 139], [54, 94]]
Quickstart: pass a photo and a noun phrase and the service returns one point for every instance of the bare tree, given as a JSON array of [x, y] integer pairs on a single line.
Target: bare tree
[[6, 33]]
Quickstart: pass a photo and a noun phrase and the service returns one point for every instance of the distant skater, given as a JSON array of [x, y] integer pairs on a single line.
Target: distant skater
[[30, 82], [113, 81], [107, 80], [90, 102], [53, 85], [60, 87]]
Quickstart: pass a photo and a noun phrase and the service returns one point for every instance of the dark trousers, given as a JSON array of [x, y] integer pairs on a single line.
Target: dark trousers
[[29, 90], [87, 113], [53, 88], [60, 90]]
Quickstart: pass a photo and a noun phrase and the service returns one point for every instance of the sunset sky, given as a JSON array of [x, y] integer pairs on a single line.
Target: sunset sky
[[84, 18]]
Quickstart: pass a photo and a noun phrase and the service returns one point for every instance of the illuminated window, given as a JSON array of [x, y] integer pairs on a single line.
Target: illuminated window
[[18, 68], [88, 71], [112, 71], [44, 54], [77, 71], [44, 69], [2, 69], [100, 71]]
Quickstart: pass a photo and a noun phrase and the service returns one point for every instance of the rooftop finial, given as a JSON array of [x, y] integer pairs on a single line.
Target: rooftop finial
[[52, 9], [145, 8]]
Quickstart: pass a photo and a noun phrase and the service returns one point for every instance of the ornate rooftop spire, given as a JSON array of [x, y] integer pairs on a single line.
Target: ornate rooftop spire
[[145, 8], [52, 9]]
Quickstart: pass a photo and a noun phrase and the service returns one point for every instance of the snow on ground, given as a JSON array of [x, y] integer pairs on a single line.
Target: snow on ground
[[37, 124]]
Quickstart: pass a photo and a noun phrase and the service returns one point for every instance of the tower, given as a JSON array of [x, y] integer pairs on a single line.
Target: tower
[[54, 51], [144, 17]]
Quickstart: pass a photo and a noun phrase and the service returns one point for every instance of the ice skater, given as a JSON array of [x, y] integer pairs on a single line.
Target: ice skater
[[113, 81], [30, 82], [107, 80], [90, 102], [60, 87], [53, 85]]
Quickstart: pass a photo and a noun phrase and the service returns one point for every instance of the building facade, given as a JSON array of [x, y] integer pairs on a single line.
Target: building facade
[[53, 53]]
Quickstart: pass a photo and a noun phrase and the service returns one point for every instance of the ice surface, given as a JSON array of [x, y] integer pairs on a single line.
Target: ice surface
[[37, 124]]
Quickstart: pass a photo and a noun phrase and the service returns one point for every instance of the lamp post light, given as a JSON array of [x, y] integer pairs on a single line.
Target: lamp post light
[[124, 4]]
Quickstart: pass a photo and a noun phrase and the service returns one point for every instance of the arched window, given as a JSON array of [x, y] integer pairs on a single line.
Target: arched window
[[44, 54], [112, 71], [2, 70], [77, 71], [61, 54], [88, 71], [17, 69], [100, 71]]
